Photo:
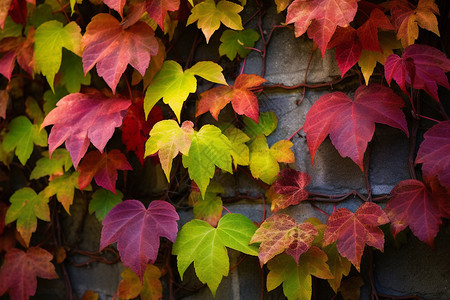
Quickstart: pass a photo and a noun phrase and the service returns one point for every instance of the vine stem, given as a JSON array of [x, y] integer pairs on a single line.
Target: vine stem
[[228, 211], [306, 74], [63, 9], [310, 86], [292, 136]]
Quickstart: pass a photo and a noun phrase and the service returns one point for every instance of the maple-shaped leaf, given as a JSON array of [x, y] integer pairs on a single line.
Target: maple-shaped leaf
[[103, 168], [150, 288], [204, 245], [296, 278], [281, 232], [64, 188], [339, 266], [80, 118], [26, 207], [157, 9], [434, 153], [244, 102], [406, 19], [236, 42], [267, 124], [135, 128], [20, 49], [49, 40], [174, 86], [155, 65], [103, 201], [22, 136], [421, 66], [413, 204], [291, 183], [209, 16], [168, 138], [137, 231], [239, 150], [20, 269], [320, 18], [72, 74], [351, 124], [209, 208], [354, 230], [112, 47], [45, 166], [368, 60], [264, 160], [209, 148]]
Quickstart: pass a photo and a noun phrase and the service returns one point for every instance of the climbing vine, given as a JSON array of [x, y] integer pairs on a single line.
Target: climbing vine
[[94, 94]]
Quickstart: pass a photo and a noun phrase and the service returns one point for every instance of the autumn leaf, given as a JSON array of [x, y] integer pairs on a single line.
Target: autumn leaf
[[168, 139], [135, 128], [434, 153], [421, 66], [239, 150], [103, 201], [117, 5], [155, 66], [339, 266], [137, 231], [20, 269], [26, 207], [57, 165], [64, 188], [204, 245], [209, 148], [49, 40], [407, 19], [281, 232], [296, 278], [264, 160], [354, 230], [282, 5], [112, 47], [413, 204], [243, 100], [209, 208], [22, 136], [236, 42], [267, 124], [103, 168], [209, 16], [174, 86], [351, 124], [80, 118], [291, 183], [157, 9], [320, 18], [18, 49], [149, 289]]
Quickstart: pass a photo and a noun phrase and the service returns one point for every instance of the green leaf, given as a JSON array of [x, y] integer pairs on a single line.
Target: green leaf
[[168, 138], [59, 163], [174, 86], [44, 13], [204, 245], [210, 207], [296, 279], [50, 38], [26, 207], [234, 42], [103, 201], [209, 148], [33, 110], [239, 150], [52, 97], [268, 122], [21, 137], [264, 161], [72, 72], [64, 188], [10, 29]]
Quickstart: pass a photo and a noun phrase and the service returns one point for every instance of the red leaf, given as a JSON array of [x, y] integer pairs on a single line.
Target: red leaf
[[351, 124], [368, 32], [20, 269], [117, 5], [434, 153], [18, 11], [291, 183], [421, 66], [79, 118], [157, 9], [412, 204], [103, 167], [19, 48], [112, 47], [243, 100], [320, 18], [354, 230], [137, 231], [135, 129]]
